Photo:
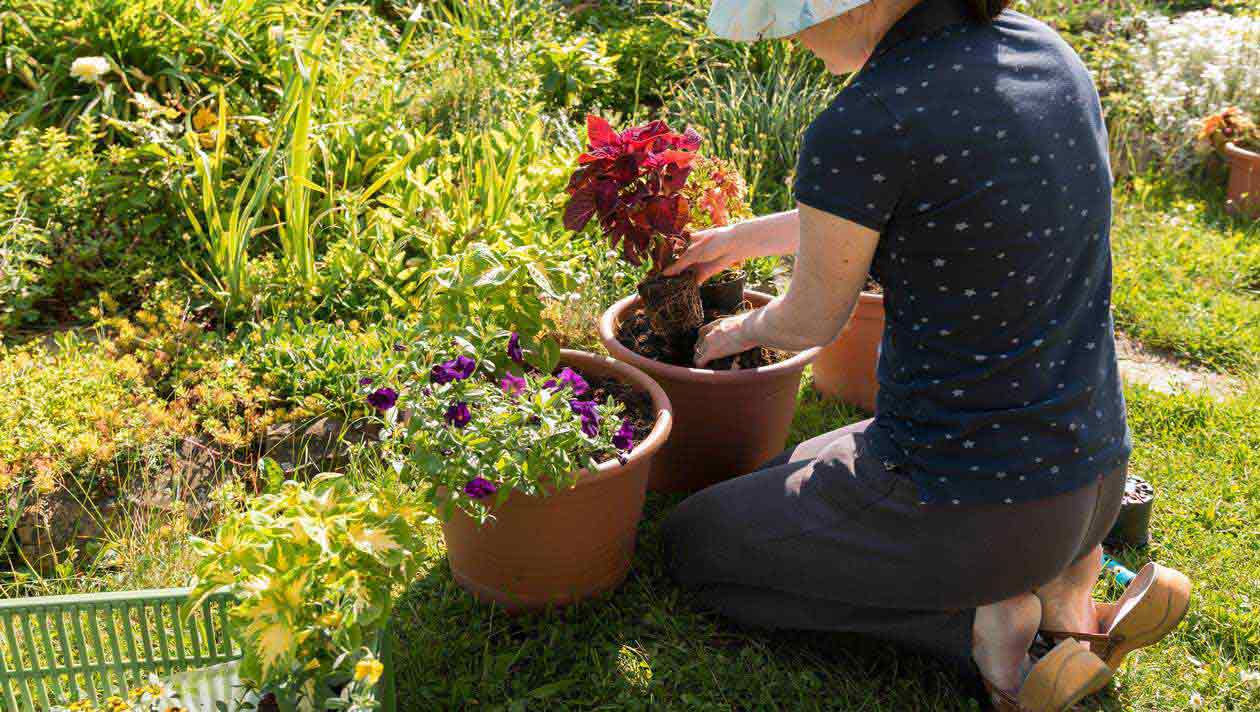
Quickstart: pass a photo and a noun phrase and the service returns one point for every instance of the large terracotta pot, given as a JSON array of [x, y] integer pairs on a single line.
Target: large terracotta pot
[[1244, 180], [726, 423], [573, 544], [845, 368]]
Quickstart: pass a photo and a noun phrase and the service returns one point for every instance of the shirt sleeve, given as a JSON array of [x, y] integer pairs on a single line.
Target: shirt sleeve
[[853, 161]]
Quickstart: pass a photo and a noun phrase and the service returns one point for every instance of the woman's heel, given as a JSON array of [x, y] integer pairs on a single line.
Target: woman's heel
[[1067, 674]]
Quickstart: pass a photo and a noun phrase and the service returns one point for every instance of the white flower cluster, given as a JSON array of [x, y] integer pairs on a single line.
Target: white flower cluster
[[1197, 64]]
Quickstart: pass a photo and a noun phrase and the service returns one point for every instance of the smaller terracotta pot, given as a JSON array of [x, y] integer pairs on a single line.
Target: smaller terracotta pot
[[845, 368], [1244, 180], [726, 423], [573, 544]]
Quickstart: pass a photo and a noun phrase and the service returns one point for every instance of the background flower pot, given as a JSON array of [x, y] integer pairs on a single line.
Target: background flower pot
[[1244, 180], [726, 423], [845, 368], [570, 545]]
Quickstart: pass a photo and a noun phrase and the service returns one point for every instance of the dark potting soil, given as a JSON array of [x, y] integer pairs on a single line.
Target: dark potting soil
[[637, 404], [636, 334]]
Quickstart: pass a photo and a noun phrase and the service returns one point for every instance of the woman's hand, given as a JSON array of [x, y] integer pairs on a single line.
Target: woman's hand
[[711, 251], [725, 337]]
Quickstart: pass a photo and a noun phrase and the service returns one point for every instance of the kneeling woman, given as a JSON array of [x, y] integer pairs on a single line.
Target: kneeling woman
[[965, 167]]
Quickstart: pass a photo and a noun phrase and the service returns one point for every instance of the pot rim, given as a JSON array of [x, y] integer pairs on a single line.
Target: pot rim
[[608, 335], [1237, 151], [660, 402]]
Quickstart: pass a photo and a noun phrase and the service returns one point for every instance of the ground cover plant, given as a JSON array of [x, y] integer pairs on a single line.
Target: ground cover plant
[[239, 239]]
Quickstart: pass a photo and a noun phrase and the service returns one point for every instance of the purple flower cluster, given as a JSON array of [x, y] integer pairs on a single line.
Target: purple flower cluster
[[568, 377], [382, 399], [457, 415], [480, 488], [514, 351], [590, 419], [512, 385], [456, 369], [623, 439]]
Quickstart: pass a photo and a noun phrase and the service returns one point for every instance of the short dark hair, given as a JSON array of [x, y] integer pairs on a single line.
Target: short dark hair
[[987, 10]]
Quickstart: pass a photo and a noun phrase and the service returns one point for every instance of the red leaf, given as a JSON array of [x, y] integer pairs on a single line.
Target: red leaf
[[599, 132], [638, 136], [675, 177], [579, 210], [690, 140]]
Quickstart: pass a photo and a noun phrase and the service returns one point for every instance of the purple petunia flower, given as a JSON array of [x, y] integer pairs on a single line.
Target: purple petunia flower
[[464, 366], [623, 439], [568, 377], [480, 488], [398, 347], [514, 349], [382, 399], [512, 385], [590, 420], [365, 381], [456, 369], [457, 414]]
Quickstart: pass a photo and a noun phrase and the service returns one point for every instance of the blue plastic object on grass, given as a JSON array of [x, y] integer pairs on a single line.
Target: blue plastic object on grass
[[1123, 575]]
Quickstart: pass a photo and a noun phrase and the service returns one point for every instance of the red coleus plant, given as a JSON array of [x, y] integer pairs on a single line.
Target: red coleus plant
[[632, 181]]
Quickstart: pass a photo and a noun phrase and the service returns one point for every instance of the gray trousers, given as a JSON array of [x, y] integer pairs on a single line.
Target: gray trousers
[[824, 538]]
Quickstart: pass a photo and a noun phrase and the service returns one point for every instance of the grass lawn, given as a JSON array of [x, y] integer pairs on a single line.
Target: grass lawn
[[1187, 275], [648, 646]]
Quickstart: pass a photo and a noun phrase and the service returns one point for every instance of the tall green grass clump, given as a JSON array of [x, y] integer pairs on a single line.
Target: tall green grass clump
[[753, 111]]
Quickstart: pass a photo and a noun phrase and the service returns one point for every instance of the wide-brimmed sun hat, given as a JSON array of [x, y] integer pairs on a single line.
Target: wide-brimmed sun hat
[[752, 20]]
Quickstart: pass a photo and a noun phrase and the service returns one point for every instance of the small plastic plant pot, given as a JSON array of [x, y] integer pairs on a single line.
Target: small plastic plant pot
[[573, 544], [724, 296], [726, 423], [845, 368], [1244, 180], [1133, 526]]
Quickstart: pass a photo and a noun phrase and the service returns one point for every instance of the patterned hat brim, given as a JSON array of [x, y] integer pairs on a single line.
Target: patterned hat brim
[[753, 20]]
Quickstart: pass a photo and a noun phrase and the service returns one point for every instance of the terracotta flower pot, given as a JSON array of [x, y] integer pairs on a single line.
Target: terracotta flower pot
[[573, 544], [845, 368], [1244, 180], [726, 423]]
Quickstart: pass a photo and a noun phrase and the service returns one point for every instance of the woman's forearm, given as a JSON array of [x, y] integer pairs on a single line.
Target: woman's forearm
[[831, 266], [769, 235]]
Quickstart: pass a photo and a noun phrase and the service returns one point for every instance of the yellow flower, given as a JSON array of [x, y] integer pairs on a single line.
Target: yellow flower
[[89, 69], [204, 118], [368, 669]]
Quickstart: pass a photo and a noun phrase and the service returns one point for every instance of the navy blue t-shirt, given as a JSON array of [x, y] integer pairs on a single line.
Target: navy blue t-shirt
[[980, 155]]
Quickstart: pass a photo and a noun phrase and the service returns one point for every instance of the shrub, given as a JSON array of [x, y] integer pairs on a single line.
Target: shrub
[[107, 218], [1194, 65], [313, 366], [656, 43], [75, 422], [313, 567], [193, 48], [23, 249]]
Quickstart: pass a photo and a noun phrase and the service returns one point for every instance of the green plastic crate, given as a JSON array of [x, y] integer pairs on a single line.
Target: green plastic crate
[[56, 649]]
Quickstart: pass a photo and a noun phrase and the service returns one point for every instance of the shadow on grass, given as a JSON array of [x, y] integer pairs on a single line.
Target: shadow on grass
[[646, 646]]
